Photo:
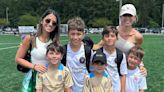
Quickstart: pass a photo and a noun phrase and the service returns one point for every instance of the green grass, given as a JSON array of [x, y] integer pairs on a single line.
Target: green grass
[[154, 62], [11, 79]]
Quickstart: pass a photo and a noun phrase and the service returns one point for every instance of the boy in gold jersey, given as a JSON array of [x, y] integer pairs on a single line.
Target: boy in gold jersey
[[57, 78], [98, 80]]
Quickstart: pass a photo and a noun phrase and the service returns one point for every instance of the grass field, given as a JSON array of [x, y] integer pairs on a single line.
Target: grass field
[[10, 78]]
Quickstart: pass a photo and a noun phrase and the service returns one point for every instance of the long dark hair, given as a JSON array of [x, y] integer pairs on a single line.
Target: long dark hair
[[54, 35]]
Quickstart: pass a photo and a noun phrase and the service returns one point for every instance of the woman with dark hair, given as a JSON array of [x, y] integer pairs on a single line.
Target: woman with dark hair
[[48, 32]]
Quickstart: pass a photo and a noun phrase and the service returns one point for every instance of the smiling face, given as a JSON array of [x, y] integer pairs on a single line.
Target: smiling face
[[49, 23], [75, 37], [109, 36], [127, 20], [135, 56], [109, 39], [133, 61], [76, 31], [54, 57]]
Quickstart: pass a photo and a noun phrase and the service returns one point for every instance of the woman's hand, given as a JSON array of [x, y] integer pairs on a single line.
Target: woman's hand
[[40, 68], [143, 70]]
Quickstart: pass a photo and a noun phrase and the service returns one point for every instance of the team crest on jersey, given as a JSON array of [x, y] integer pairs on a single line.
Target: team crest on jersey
[[60, 77], [82, 60]]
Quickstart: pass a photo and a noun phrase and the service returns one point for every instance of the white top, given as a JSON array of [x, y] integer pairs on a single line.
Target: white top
[[123, 44], [135, 81], [76, 63], [113, 71], [38, 54]]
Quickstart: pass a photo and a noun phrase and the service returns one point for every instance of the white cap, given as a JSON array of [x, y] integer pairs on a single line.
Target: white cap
[[128, 9]]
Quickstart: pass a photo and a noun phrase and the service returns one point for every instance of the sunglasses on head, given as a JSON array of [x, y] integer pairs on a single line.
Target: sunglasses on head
[[49, 20]]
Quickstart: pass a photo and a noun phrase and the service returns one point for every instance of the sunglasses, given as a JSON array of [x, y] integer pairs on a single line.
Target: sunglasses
[[49, 20]]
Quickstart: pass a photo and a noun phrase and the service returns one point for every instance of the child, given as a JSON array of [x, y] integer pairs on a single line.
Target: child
[[135, 81], [75, 57], [98, 80], [57, 78], [109, 37]]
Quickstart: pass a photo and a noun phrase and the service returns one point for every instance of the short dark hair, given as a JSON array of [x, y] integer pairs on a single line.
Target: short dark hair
[[137, 51], [109, 29], [76, 23], [55, 47]]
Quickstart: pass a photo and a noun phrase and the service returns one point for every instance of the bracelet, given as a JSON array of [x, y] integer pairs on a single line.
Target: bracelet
[[34, 67]]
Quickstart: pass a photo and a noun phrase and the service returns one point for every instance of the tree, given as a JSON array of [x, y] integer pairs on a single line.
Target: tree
[[27, 20], [3, 21], [153, 24], [100, 22], [87, 9]]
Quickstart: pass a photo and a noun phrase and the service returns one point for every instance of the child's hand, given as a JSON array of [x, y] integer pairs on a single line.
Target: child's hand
[[40, 68], [143, 70]]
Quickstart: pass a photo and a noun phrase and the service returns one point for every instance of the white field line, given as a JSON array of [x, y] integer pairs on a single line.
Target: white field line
[[9, 47], [18, 45], [8, 43]]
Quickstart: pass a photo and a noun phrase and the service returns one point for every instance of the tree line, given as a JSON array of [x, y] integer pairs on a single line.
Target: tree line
[[96, 13]]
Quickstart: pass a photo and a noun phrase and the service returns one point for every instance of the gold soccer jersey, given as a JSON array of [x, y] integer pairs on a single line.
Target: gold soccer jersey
[[97, 84]]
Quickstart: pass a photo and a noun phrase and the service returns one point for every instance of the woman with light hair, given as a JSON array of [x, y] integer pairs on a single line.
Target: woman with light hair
[[127, 35]]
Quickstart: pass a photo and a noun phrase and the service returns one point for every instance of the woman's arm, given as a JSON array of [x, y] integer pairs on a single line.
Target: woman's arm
[[98, 45], [139, 41], [138, 38], [22, 51]]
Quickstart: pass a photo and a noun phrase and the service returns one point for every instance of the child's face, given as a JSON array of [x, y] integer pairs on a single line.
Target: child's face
[[110, 39], [75, 36], [99, 68], [133, 61], [54, 57]]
